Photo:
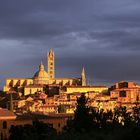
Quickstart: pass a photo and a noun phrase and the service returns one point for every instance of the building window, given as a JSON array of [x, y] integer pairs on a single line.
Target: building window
[[4, 125], [59, 125], [51, 58], [123, 85], [122, 93], [51, 72], [51, 64], [30, 91]]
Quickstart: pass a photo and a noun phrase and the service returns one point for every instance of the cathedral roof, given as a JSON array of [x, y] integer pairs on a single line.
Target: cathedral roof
[[41, 73]]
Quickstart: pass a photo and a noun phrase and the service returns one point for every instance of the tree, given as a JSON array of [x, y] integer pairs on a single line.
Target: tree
[[82, 118], [36, 131], [121, 117]]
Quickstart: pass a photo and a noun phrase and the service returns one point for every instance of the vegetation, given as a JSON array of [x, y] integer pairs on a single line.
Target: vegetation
[[36, 131], [90, 123]]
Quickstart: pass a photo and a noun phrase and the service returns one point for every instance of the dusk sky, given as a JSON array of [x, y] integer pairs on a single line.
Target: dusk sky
[[101, 35]]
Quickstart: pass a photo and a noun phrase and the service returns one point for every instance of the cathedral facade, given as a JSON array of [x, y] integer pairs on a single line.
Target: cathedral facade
[[41, 79]]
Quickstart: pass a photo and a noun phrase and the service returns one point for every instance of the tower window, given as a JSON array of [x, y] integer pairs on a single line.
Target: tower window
[[59, 125], [51, 58]]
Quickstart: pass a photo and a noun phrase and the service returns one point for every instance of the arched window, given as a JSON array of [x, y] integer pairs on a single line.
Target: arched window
[[30, 91], [4, 125]]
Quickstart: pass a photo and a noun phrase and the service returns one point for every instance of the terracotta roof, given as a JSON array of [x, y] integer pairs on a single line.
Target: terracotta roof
[[47, 106], [5, 114], [86, 86]]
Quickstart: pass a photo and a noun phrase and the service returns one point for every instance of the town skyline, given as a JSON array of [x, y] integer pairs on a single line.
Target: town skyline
[[69, 69], [102, 36], [29, 74]]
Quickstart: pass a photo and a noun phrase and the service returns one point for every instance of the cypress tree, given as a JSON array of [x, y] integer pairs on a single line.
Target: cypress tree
[[82, 117]]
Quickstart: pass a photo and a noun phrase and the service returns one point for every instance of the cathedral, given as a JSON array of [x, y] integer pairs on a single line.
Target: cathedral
[[41, 79]]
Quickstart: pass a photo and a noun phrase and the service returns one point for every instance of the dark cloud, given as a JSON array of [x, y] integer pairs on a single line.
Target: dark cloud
[[104, 36]]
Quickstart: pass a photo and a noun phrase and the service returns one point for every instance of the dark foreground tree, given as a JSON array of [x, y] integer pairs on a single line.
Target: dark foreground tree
[[36, 131], [82, 121]]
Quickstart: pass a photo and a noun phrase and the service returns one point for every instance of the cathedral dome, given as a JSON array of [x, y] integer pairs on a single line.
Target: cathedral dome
[[41, 76]]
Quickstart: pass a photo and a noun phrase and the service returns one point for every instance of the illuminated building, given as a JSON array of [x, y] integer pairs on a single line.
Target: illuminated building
[[126, 94]]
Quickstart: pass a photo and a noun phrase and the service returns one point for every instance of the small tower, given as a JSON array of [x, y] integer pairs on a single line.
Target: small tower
[[51, 65], [83, 77]]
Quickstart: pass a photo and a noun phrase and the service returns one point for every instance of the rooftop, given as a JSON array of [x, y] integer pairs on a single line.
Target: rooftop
[[5, 114], [86, 86]]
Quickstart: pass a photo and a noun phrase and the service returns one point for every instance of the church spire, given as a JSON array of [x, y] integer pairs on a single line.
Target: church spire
[[41, 63], [83, 77]]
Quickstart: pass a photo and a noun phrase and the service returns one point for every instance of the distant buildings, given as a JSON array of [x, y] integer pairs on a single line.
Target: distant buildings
[[121, 94], [46, 94], [64, 92], [126, 94]]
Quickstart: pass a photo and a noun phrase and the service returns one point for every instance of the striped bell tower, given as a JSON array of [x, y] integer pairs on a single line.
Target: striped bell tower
[[51, 64]]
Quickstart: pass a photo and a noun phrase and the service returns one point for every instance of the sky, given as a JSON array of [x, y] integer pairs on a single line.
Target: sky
[[101, 35]]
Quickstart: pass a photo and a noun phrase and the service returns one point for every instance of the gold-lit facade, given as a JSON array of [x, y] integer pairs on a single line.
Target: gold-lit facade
[[85, 89]]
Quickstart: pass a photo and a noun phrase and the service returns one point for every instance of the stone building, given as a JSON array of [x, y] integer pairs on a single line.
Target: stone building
[[6, 117], [126, 94], [84, 89]]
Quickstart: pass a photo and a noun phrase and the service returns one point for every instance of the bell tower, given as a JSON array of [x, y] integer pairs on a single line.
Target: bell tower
[[51, 65]]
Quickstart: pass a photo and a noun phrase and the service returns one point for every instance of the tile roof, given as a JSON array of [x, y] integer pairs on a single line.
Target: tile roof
[[5, 114]]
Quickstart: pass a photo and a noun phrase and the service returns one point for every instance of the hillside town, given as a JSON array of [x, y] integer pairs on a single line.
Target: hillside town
[[54, 100], [46, 94], [121, 94]]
